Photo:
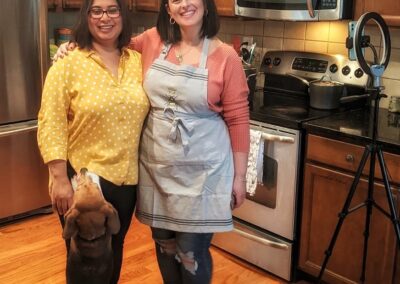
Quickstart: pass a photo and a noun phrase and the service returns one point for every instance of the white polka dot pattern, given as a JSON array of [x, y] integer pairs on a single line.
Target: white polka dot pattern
[[92, 118]]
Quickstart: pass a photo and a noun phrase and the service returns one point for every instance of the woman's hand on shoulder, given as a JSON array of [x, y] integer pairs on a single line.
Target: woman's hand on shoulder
[[63, 50]]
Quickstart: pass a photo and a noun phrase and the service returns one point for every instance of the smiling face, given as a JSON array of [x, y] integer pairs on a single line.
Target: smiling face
[[186, 13], [105, 29]]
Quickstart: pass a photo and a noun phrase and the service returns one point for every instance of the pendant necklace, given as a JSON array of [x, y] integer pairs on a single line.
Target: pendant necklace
[[179, 55]]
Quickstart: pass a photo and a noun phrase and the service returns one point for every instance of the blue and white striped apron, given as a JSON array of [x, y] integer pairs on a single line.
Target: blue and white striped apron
[[186, 163]]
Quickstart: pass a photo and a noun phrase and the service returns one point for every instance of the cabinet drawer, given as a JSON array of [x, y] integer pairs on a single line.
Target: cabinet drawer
[[347, 156]]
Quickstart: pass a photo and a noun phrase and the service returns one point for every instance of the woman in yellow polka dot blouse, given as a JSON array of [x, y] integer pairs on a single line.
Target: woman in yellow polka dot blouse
[[92, 112]]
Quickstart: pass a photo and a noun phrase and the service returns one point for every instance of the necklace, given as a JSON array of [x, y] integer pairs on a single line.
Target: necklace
[[179, 55]]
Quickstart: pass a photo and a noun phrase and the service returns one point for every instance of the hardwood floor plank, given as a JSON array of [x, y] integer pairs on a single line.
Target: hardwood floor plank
[[33, 251]]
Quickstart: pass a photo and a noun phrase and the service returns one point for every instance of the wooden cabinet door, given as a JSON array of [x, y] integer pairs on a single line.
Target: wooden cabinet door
[[389, 9], [148, 5], [72, 4], [131, 4], [225, 7], [324, 194], [52, 4]]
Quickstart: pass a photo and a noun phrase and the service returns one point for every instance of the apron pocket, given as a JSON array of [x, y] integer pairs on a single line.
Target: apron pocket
[[181, 179]]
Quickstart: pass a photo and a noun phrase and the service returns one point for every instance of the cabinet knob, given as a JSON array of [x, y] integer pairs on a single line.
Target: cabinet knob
[[349, 158]]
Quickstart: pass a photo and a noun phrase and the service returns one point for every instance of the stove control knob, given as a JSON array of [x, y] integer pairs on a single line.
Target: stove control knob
[[277, 61], [267, 61], [358, 73], [346, 70], [333, 68]]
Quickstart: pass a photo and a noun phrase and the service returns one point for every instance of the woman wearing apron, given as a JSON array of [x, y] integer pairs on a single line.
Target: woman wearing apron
[[194, 146]]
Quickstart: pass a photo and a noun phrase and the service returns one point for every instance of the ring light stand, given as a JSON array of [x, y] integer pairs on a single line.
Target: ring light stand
[[373, 150]]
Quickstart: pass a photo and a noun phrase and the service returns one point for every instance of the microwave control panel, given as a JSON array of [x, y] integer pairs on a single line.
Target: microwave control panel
[[327, 4], [310, 64]]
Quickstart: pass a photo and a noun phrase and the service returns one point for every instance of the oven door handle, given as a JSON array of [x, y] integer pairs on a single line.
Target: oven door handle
[[261, 240], [273, 137]]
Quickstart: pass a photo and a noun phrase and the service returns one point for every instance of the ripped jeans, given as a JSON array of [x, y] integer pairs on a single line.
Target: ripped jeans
[[183, 258]]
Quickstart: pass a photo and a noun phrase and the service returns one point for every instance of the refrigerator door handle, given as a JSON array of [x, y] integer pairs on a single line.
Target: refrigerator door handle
[[17, 130], [43, 40]]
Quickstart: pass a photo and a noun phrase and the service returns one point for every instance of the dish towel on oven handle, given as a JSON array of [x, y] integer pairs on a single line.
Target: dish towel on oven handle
[[254, 173]]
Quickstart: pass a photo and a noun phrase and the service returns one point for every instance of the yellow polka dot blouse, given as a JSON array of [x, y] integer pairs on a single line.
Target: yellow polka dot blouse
[[91, 118]]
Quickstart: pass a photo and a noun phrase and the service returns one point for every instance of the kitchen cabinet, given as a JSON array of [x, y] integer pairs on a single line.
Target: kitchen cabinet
[[328, 174], [148, 5], [225, 7], [389, 9], [74, 4], [52, 4], [71, 4], [131, 4]]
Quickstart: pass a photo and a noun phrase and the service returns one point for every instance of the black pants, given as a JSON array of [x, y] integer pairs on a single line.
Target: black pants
[[123, 198]]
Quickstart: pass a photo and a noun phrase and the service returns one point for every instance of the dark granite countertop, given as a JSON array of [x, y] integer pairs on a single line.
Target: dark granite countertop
[[355, 127]]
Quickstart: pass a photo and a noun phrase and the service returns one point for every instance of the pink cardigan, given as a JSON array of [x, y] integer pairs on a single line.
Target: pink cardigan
[[227, 87]]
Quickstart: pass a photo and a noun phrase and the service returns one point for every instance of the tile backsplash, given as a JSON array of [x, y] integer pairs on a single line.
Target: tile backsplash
[[324, 37]]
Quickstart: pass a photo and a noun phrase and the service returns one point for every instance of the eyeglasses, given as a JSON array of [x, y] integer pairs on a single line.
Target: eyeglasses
[[97, 13]]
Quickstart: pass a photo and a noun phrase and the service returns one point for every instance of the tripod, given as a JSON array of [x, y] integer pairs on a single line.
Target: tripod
[[372, 150]]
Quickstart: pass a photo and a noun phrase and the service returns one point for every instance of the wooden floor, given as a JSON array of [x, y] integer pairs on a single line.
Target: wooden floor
[[32, 251]]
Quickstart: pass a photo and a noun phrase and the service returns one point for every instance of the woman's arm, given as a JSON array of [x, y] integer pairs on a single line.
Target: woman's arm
[[60, 186], [234, 99], [136, 43], [239, 181], [53, 135]]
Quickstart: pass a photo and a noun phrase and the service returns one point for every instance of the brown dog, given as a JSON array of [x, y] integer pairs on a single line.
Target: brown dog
[[90, 223]]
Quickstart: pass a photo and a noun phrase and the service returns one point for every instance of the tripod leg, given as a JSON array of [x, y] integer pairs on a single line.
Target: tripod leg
[[369, 204], [344, 211], [392, 205]]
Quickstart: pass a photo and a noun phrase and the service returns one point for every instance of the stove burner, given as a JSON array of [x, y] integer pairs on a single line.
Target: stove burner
[[288, 110]]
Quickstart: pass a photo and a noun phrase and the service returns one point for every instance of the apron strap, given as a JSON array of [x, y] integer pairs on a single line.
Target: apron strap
[[204, 53], [164, 51]]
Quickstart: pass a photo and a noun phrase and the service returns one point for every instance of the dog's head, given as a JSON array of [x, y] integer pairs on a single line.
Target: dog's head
[[90, 217]]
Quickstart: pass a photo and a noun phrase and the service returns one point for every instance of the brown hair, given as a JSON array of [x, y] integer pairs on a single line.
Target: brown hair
[[82, 36], [171, 33]]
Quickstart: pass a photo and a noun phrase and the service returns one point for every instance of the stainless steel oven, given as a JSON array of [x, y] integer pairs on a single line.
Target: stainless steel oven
[[265, 223], [295, 10]]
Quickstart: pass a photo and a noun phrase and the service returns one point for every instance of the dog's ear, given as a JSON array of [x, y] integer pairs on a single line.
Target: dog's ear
[[70, 227], [112, 219]]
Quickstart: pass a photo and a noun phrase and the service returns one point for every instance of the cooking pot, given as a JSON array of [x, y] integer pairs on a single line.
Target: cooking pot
[[324, 94]]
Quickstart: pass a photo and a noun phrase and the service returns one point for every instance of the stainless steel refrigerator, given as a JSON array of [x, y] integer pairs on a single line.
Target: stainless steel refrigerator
[[24, 62]]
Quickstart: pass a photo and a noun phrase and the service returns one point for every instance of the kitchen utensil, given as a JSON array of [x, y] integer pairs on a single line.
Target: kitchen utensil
[[251, 74], [252, 51]]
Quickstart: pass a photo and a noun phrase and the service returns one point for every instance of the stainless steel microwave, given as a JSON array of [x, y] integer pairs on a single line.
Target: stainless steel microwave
[[295, 10]]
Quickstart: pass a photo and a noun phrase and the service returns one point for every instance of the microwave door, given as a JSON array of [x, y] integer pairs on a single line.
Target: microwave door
[[288, 10]]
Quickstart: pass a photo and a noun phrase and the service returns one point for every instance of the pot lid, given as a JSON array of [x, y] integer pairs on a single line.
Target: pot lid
[[327, 83]]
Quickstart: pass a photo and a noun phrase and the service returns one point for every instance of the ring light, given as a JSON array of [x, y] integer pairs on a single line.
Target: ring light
[[374, 70]]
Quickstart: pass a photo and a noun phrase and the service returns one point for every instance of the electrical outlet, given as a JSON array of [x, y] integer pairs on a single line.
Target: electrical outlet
[[352, 31]]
